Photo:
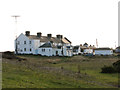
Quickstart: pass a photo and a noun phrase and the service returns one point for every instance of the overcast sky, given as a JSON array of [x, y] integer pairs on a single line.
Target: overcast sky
[[79, 20]]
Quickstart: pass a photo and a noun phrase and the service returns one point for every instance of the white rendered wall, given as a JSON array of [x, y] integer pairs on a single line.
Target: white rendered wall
[[103, 52], [20, 46], [47, 52], [88, 50]]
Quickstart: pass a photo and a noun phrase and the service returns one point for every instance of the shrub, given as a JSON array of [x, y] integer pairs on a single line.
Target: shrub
[[108, 69], [116, 65]]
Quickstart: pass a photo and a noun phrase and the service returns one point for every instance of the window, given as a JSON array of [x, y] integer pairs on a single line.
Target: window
[[24, 42], [43, 50], [30, 49], [29, 42], [24, 49]]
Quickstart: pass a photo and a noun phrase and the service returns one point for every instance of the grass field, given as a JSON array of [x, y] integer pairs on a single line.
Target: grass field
[[58, 72]]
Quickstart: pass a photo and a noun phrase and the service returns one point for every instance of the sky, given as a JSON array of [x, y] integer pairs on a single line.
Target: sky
[[79, 20]]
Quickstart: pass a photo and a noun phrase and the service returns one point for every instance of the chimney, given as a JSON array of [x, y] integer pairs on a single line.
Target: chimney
[[39, 34], [27, 33], [49, 35], [61, 36], [80, 44], [58, 36]]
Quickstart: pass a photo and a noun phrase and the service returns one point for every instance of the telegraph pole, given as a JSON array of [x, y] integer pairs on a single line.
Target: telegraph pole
[[115, 44], [97, 43], [16, 16]]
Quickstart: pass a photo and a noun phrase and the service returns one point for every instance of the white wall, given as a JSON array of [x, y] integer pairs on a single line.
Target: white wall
[[78, 51], [103, 52], [47, 52], [21, 46], [88, 50], [52, 52]]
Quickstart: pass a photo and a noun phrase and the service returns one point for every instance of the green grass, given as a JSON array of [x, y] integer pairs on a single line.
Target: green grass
[[46, 72]]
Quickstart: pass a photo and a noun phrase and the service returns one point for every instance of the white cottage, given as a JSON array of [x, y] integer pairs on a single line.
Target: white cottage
[[103, 51], [30, 44], [48, 49], [85, 49], [76, 50]]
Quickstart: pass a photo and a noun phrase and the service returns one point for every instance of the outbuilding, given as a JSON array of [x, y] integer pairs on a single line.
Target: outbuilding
[[103, 51], [117, 50], [49, 49]]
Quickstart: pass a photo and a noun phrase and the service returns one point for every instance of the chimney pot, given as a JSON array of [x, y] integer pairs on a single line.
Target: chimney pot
[[49, 35], [39, 34], [27, 33], [59, 36], [80, 44]]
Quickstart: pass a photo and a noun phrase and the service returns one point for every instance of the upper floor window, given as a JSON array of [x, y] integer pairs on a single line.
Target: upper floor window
[[30, 42], [24, 42]]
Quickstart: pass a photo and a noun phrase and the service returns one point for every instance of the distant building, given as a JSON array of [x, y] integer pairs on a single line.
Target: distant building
[[103, 51], [34, 44], [117, 50], [48, 49], [86, 49], [76, 50]]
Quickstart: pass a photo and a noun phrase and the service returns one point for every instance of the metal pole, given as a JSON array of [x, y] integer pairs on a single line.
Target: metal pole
[[16, 16], [62, 47]]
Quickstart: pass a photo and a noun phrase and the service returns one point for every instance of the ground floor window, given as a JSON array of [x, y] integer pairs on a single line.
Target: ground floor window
[[43, 50], [24, 49], [56, 52]]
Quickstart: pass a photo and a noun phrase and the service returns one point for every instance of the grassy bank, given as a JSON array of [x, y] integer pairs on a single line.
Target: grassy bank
[[58, 72]]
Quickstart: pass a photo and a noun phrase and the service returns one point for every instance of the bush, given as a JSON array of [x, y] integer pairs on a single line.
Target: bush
[[116, 65], [108, 69]]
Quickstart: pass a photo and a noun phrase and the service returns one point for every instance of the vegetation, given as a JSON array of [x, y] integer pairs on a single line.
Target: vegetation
[[115, 68], [58, 72], [116, 65], [108, 69]]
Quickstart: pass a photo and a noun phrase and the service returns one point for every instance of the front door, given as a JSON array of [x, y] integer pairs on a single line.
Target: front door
[[56, 53]]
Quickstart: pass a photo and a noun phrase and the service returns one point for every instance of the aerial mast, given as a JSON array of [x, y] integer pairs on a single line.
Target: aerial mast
[[97, 43], [16, 16]]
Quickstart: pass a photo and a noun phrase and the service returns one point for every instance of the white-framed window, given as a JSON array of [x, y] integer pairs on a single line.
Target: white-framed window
[[24, 49], [24, 42], [43, 50], [30, 42]]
